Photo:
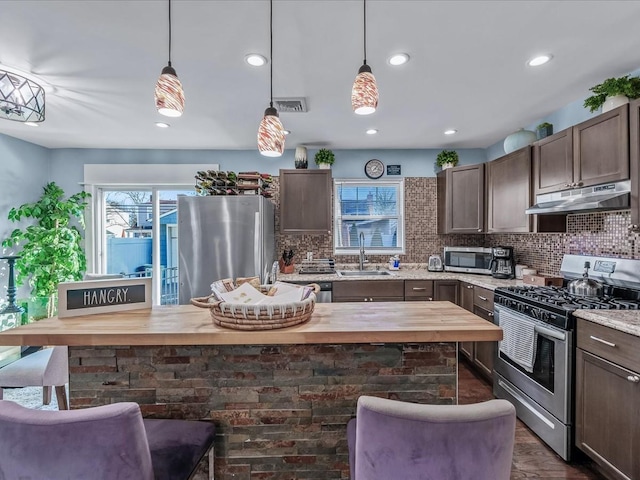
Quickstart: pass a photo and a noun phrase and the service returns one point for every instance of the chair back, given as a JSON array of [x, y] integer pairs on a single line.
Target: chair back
[[106, 442], [446, 442]]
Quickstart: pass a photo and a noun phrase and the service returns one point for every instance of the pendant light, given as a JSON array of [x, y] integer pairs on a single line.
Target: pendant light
[[364, 94], [169, 94], [271, 131]]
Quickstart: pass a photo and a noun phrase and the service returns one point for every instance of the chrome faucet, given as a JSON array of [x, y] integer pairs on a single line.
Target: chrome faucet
[[361, 244]]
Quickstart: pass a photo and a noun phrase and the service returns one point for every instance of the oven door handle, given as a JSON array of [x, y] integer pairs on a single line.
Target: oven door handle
[[550, 333]]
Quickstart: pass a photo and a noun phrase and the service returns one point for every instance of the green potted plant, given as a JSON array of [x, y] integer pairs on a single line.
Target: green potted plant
[[447, 159], [543, 130], [324, 158], [612, 93], [51, 249]]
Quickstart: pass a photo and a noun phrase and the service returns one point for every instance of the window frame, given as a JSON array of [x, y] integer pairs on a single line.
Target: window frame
[[338, 217]]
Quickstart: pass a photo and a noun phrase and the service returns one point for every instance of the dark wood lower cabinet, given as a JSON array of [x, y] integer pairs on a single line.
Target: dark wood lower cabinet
[[479, 301], [608, 399], [368, 291], [485, 352], [446, 290]]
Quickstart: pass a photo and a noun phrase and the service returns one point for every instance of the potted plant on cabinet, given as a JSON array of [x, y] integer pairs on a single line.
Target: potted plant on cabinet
[[447, 159], [543, 130], [612, 93], [52, 248], [324, 158]]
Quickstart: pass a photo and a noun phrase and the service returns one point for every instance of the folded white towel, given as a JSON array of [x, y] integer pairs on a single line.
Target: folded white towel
[[519, 339]]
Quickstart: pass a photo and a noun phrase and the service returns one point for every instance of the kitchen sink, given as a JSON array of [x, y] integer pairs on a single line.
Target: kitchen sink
[[363, 273]]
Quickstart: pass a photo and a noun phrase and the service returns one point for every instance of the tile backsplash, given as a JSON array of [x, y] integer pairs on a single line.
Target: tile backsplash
[[602, 233]]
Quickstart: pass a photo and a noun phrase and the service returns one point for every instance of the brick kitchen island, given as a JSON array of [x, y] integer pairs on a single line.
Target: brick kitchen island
[[280, 399]]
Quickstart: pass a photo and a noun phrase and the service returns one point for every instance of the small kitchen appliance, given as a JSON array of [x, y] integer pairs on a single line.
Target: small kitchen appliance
[[503, 264], [542, 389], [468, 260], [435, 264]]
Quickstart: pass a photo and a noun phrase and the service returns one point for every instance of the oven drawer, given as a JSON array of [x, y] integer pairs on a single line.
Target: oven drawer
[[613, 345], [483, 297]]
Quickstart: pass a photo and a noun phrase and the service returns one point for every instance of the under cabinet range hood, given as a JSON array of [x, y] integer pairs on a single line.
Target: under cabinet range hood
[[610, 196]]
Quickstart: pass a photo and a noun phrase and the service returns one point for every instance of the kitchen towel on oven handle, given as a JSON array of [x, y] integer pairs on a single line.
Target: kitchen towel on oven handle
[[519, 339]]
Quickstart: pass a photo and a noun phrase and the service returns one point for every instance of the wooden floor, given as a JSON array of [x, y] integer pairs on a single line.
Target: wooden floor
[[531, 457]]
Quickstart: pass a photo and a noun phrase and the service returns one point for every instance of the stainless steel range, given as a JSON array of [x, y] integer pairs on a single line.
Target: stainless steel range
[[535, 364]]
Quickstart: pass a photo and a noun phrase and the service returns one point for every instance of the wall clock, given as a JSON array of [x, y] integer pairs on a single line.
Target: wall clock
[[374, 168]]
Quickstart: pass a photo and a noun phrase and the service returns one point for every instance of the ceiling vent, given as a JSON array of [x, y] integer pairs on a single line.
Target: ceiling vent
[[290, 105]]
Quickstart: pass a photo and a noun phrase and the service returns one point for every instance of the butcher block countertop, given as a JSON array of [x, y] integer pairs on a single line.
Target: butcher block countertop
[[331, 323]]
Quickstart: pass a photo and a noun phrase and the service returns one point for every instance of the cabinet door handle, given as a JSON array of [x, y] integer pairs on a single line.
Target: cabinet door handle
[[484, 299], [469, 286], [489, 314], [602, 341], [633, 378], [419, 289], [366, 299], [479, 229], [430, 299]]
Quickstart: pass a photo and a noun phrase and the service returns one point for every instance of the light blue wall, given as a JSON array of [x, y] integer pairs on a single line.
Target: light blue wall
[[25, 170], [565, 117], [67, 165]]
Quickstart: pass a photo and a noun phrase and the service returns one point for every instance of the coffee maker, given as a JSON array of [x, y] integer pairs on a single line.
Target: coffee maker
[[503, 264]]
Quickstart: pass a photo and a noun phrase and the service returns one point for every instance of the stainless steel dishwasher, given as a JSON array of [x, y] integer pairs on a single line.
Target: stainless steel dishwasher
[[325, 293]]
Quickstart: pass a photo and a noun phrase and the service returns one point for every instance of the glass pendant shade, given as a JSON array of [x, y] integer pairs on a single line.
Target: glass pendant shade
[[169, 94], [21, 99], [364, 94], [271, 134]]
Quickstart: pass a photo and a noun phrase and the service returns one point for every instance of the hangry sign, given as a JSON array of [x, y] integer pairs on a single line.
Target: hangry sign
[[101, 296]]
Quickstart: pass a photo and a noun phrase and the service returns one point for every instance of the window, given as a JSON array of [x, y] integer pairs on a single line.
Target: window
[[374, 209], [132, 221]]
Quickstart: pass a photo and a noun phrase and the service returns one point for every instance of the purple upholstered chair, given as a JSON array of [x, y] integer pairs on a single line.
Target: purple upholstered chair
[[389, 439], [110, 442], [45, 368]]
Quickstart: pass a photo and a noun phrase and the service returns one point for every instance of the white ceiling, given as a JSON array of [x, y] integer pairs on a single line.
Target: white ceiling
[[467, 70]]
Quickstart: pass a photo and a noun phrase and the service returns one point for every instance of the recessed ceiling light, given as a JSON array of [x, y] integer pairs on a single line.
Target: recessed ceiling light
[[162, 125], [287, 132], [451, 131], [255, 60], [372, 131], [539, 60], [398, 59], [31, 124]]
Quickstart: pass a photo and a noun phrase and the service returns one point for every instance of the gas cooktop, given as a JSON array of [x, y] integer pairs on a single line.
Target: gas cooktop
[[560, 297]]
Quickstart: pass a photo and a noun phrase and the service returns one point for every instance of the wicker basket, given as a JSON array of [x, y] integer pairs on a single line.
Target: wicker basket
[[258, 317]]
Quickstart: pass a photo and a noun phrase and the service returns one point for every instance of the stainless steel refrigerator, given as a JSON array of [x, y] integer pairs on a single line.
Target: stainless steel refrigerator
[[223, 237]]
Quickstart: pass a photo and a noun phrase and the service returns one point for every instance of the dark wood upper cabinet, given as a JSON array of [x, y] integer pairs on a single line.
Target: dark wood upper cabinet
[[593, 152], [601, 148], [460, 193], [634, 161], [553, 162], [509, 192], [305, 202]]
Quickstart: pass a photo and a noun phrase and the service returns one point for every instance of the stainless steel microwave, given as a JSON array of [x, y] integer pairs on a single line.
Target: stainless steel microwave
[[468, 260]]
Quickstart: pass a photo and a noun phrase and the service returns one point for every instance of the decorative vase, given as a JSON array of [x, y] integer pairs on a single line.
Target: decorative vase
[[324, 166], [301, 157], [519, 139], [447, 165], [544, 132], [614, 102]]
